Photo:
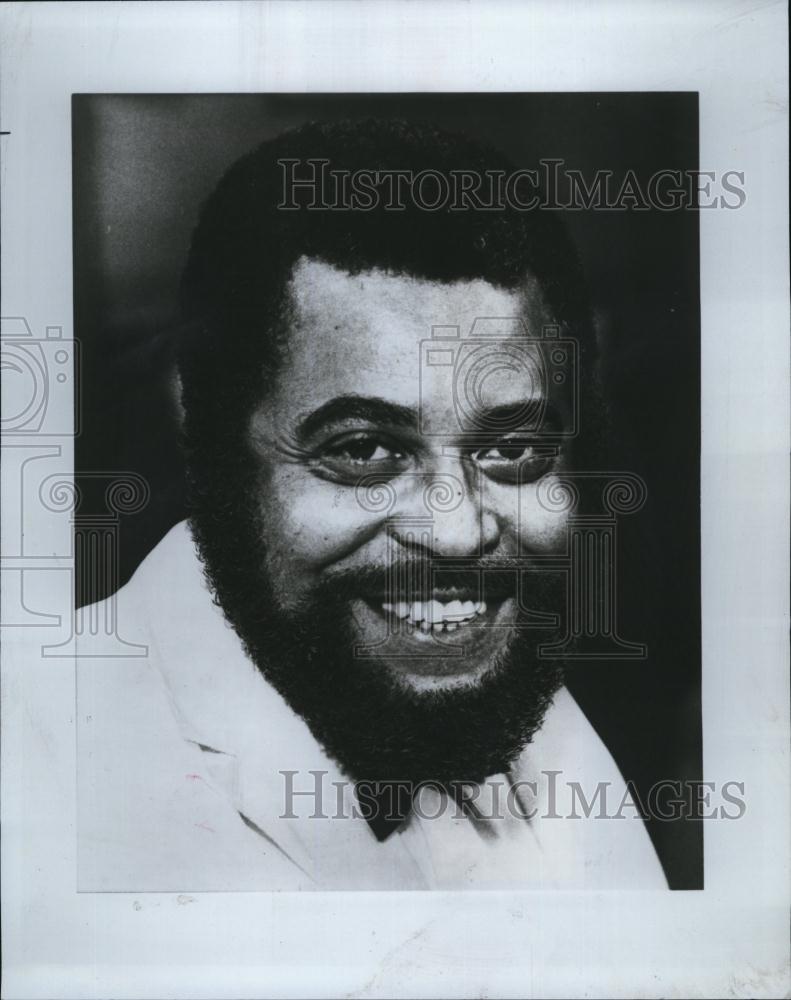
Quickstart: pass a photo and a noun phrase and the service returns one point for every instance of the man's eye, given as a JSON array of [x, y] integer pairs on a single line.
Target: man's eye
[[512, 461], [507, 453], [356, 456], [363, 451]]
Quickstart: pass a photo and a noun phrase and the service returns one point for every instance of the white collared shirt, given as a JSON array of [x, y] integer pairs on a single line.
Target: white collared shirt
[[186, 758]]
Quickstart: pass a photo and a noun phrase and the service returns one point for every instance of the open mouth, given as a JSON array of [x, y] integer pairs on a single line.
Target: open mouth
[[422, 622], [450, 640], [443, 600], [435, 616], [434, 637], [430, 614]]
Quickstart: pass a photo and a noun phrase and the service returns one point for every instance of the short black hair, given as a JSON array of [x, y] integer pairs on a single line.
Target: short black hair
[[245, 246]]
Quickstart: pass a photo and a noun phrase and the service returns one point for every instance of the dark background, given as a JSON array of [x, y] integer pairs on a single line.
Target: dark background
[[142, 164]]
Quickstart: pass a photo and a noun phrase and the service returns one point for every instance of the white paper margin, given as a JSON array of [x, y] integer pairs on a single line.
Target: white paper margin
[[729, 940]]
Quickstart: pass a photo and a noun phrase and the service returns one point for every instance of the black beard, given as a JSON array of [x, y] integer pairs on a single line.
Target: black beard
[[376, 728]]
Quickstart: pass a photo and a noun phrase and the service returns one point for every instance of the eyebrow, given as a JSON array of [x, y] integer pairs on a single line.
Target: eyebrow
[[376, 410], [511, 416], [371, 408]]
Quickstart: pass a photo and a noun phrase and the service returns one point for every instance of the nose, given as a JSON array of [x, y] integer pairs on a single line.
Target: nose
[[460, 524]]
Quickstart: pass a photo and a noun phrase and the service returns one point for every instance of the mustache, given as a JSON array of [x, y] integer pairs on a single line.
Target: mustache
[[424, 579]]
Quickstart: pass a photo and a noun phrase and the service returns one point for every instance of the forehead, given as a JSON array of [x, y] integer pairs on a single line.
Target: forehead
[[362, 333]]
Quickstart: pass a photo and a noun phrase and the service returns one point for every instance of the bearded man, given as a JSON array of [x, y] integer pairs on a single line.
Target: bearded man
[[350, 680]]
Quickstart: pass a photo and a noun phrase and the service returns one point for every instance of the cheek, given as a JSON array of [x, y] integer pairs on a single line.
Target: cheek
[[543, 517], [533, 516], [311, 523]]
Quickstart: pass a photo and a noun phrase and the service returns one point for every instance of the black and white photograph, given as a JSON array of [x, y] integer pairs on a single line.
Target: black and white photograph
[[402, 419], [395, 500]]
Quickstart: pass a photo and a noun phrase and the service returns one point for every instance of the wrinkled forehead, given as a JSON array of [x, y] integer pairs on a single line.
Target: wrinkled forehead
[[372, 330]]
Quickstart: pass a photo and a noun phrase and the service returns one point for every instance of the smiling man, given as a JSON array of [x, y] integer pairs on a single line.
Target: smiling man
[[347, 683]]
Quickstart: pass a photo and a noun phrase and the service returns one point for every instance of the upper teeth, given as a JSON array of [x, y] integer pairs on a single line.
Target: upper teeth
[[433, 614]]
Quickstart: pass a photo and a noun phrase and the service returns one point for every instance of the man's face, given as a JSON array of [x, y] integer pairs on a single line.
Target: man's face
[[369, 460]]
